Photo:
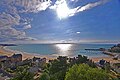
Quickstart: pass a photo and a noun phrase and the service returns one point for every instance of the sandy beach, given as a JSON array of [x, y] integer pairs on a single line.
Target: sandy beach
[[8, 52], [108, 59]]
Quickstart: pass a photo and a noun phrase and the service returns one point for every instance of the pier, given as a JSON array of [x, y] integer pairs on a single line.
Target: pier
[[103, 51], [100, 49], [109, 53]]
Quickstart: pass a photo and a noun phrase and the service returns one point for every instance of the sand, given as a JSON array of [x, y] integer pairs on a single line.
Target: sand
[[8, 52], [108, 59]]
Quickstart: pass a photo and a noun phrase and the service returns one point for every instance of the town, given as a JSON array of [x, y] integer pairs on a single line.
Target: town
[[10, 66]]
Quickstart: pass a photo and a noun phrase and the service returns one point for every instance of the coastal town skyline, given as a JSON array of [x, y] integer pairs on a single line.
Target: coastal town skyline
[[59, 21]]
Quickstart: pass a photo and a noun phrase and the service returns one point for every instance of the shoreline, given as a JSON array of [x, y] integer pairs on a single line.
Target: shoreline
[[25, 55], [8, 52], [108, 59]]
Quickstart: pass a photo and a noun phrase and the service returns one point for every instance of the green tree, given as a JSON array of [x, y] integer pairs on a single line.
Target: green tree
[[107, 67], [91, 64], [23, 74], [44, 76], [58, 68], [82, 59], [84, 72]]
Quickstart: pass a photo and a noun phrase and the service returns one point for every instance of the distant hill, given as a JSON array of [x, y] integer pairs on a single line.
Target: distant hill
[[8, 45]]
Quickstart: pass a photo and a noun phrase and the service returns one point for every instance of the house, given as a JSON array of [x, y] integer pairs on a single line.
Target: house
[[24, 62], [9, 62], [34, 70], [16, 58], [6, 64], [35, 58], [116, 67], [5, 74], [2, 58], [102, 62], [39, 62], [42, 62]]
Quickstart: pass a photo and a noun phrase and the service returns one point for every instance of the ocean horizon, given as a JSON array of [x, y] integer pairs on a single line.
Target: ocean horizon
[[62, 49]]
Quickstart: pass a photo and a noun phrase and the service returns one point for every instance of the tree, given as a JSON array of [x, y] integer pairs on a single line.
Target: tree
[[91, 64], [23, 74], [44, 76], [107, 67], [84, 72], [79, 60], [58, 68], [82, 59]]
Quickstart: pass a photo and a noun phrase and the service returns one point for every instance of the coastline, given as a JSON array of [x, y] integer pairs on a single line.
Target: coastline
[[8, 52], [108, 59]]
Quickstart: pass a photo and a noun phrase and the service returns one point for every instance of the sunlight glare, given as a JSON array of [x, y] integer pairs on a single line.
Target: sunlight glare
[[63, 47], [62, 10]]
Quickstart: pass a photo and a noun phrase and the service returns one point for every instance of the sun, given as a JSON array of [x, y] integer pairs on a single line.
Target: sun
[[62, 10]]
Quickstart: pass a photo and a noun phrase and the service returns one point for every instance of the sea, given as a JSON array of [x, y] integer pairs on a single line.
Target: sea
[[62, 49]]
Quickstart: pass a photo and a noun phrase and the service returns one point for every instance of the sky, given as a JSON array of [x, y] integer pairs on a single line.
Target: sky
[[59, 20]]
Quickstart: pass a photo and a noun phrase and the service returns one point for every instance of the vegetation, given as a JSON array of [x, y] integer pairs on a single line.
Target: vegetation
[[84, 72], [22, 73], [58, 68], [63, 68], [44, 76]]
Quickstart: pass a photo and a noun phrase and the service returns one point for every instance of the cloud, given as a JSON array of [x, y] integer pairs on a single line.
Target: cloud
[[91, 5], [10, 18], [78, 32], [73, 11], [9, 33], [32, 5], [27, 26]]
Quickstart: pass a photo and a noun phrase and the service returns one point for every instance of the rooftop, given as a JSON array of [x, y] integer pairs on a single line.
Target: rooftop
[[3, 57], [16, 55]]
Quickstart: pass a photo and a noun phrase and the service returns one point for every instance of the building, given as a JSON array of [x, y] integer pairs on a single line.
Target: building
[[116, 67], [16, 58], [2, 58], [24, 62], [34, 70], [39, 62], [6, 64], [4, 74], [117, 57], [102, 62]]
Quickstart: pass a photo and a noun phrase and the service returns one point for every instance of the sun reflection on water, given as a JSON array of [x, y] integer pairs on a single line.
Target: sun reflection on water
[[64, 49]]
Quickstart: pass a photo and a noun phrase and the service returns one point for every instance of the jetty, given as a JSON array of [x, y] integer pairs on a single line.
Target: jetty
[[100, 49], [103, 51], [109, 53]]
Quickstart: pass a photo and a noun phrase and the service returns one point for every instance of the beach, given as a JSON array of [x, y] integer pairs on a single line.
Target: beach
[[7, 52], [108, 59]]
